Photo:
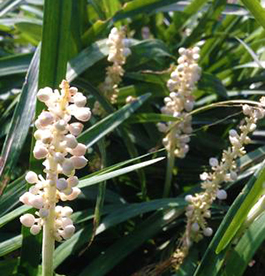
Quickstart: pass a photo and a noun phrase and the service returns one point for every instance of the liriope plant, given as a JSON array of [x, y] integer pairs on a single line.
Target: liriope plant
[[118, 51], [179, 103], [56, 144], [198, 210]]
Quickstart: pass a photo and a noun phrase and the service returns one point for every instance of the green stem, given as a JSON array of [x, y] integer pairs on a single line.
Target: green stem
[[48, 227], [170, 164], [48, 245]]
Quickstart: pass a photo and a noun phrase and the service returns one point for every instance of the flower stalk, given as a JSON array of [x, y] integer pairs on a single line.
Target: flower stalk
[[57, 145]]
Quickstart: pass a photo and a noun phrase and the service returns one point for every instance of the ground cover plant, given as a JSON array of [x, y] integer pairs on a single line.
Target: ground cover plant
[[132, 137]]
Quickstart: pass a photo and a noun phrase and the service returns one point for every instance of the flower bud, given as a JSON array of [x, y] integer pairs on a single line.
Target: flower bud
[[36, 201], [207, 231], [195, 227], [61, 184], [67, 167], [75, 193], [40, 152], [79, 162], [79, 150], [189, 198], [27, 220], [82, 114], [58, 157], [73, 181], [60, 125], [76, 128], [221, 194], [67, 211], [25, 198], [44, 94], [31, 177], [71, 141], [66, 221], [45, 118], [68, 232], [80, 100], [35, 229], [213, 162]]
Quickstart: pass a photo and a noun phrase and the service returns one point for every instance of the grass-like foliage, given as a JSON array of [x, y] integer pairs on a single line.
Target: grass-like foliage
[[146, 205]]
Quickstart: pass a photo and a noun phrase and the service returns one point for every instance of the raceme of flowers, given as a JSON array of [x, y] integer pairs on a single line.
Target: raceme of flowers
[[181, 101], [56, 143], [118, 52], [198, 210]]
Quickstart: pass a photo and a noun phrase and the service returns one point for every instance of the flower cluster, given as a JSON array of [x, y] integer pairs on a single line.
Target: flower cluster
[[57, 144], [118, 51], [180, 101], [198, 210]]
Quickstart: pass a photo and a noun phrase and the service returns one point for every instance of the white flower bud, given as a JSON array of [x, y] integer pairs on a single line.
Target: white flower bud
[[207, 231], [82, 114], [233, 175], [80, 100], [79, 162], [221, 194], [213, 162], [61, 184], [76, 128], [45, 118], [233, 133], [60, 125], [25, 198], [35, 229], [182, 50], [126, 52], [66, 221], [75, 193], [58, 157], [189, 198], [40, 152], [67, 191], [36, 202], [67, 211], [68, 232], [189, 105], [252, 127], [31, 177], [204, 176], [79, 150], [71, 141], [58, 209], [43, 212], [246, 109], [73, 181], [44, 94], [73, 90], [67, 167], [195, 227], [27, 220]]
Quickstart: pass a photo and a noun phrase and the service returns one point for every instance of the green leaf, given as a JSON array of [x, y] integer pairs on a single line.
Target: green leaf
[[10, 245], [212, 261], [118, 216], [13, 214], [242, 254], [256, 9], [99, 178], [125, 245], [21, 121], [247, 199], [99, 130], [55, 42], [86, 59], [14, 64]]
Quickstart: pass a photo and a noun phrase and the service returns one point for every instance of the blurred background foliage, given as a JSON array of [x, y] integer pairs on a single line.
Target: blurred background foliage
[[122, 208]]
